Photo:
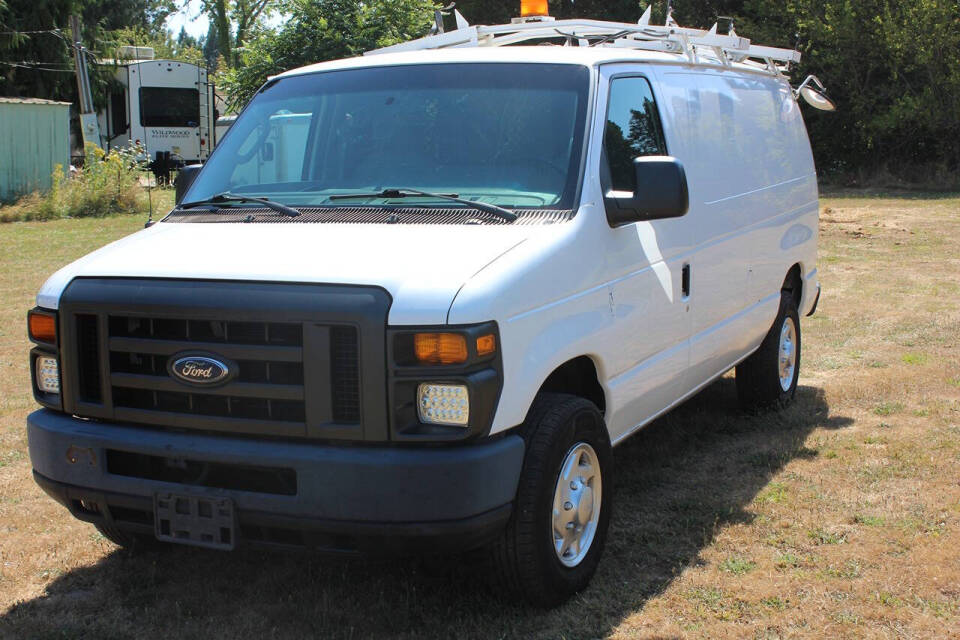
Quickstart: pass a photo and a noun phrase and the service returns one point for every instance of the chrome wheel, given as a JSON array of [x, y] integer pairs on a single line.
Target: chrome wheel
[[788, 353], [576, 504]]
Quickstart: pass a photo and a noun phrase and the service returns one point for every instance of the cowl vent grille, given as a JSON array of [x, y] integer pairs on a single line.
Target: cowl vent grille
[[370, 215]]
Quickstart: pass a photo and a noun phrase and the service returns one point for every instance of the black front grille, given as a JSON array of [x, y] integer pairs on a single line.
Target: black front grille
[[239, 477], [293, 373], [344, 365], [88, 349], [267, 387]]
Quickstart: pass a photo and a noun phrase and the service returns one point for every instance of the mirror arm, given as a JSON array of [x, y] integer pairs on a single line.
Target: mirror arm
[[810, 79]]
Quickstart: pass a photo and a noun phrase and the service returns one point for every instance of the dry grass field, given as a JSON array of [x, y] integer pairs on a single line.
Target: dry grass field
[[839, 517]]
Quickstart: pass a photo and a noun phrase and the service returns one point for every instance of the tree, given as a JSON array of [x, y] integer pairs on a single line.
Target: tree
[[319, 30], [235, 21], [35, 48]]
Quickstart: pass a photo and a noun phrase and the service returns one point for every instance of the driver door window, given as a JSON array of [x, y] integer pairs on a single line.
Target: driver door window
[[632, 129]]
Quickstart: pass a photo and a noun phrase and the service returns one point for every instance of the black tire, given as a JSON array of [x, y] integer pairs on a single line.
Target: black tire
[[524, 560], [128, 540], [758, 377]]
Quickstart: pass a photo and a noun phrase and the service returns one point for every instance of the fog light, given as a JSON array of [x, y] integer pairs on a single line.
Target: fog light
[[48, 374], [443, 404]]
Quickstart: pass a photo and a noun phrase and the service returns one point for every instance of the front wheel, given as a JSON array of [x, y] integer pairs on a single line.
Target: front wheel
[[552, 545], [768, 378]]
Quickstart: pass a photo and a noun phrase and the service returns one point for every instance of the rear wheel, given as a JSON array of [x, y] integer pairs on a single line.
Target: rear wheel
[[768, 378], [552, 545]]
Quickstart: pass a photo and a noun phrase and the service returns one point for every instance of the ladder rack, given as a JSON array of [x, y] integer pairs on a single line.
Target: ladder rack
[[696, 45]]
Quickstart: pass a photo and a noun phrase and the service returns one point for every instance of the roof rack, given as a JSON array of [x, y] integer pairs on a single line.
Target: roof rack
[[697, 45]]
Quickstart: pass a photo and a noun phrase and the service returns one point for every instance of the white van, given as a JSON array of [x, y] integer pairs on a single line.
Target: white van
[[413, 299]]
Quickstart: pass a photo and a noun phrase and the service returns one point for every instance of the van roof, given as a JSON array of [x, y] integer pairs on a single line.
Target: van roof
[[544, 54]]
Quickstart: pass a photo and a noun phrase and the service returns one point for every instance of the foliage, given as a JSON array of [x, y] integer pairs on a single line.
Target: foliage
[[891, 65], [234, 22], [320, 30], [164, 45], [36, 52], [108, 184]]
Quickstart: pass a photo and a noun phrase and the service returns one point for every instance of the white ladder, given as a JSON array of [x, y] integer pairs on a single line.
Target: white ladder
[[203, 86], [697, 45]]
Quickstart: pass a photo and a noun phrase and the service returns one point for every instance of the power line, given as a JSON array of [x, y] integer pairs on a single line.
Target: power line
[[41, 63], [55, 32], [34, 67]]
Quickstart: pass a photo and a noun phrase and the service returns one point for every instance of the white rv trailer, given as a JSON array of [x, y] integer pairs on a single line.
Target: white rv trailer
[[164, 106]]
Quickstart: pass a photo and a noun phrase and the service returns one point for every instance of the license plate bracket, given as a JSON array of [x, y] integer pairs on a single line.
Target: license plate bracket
[[201, 521]]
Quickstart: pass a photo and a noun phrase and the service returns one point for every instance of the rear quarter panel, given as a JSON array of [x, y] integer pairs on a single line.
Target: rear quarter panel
[[753, 202]]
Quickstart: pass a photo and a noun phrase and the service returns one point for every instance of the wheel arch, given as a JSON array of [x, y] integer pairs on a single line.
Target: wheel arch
[[579, 377], [793, 283]]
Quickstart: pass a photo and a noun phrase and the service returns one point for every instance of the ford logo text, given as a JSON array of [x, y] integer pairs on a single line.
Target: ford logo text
[[201, 370]]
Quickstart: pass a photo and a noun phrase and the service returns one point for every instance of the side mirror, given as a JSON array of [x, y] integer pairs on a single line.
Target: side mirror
[[660, 192], [816, 98], [185, 178]]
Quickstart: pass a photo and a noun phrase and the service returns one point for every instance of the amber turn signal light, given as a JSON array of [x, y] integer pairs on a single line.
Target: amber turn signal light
[[440, 348], [42, 327], [529, 8], [486, 344]]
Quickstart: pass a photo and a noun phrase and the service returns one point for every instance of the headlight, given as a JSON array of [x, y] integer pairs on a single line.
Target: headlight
[[48, 374], [447, 404]]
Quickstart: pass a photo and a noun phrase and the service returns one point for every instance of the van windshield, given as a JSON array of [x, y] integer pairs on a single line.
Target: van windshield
[[506, 134]]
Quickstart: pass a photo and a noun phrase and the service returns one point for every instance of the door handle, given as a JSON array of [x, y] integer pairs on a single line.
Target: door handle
[[685, 281]]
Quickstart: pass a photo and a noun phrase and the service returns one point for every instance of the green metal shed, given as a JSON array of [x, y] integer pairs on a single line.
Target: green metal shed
[[34, 138]]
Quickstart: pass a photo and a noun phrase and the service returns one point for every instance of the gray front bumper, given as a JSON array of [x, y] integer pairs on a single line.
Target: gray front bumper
[[360, 490]]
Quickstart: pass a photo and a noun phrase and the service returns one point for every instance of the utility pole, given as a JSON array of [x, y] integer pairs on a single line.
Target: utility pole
[[89, 125]]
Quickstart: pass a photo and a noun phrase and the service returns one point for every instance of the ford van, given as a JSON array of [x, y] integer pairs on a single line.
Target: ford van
[[415, 298]]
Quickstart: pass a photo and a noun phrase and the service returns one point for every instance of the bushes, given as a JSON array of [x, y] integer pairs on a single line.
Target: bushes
[[108, 184]]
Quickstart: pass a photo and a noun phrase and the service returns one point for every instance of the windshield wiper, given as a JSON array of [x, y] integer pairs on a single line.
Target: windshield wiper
[[226, 197], [500, 212]]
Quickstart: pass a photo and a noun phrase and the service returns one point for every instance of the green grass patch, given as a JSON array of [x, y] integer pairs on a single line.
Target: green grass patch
[[848, 571], [788, 560], [821, 536], [10, 457], [869, 521], [774, 602], [776, 492], [888, 408], [915, 358], [887, 599], [707, 596], [737, 565]]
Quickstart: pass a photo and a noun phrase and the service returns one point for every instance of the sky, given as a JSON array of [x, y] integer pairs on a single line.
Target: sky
[[192, 17]]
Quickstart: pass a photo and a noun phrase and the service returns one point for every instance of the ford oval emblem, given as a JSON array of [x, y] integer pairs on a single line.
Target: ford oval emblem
[[198, 369]]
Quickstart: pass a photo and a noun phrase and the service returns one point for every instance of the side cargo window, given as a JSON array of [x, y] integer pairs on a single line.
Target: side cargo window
[[633, 129]]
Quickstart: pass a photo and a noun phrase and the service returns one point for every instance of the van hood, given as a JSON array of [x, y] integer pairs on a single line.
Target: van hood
[[421, 266]]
